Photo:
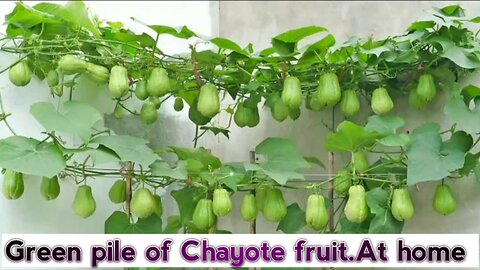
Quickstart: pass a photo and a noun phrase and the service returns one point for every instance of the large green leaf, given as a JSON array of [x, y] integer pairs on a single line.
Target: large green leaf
[[128, 148], [350, 137], [187, 199], [460, 113], [349, 227], [283, 160], [426, 162], [198, 159], [161, 168], [286, 43], [75, 117], [388, 125], [27, 155], [119, 223], [74, 12], [227, 44], [294, 221], [182, 32]]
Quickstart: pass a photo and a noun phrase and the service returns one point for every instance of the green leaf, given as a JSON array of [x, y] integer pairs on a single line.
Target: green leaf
[[348, 227], [384, 222], [460, 113], [208, 57], [377, 200], [227, 44], [182, 32], [187, 198], [425, 160], [350, 137], [75, 118], [119, 223], [216, 130], [421, 25], [128, 148], [315, 161], [160, 168], [74, 12], [286, 43], [294, 221], [471, 162], [198, 159], [283, 160], [384, 124], [29, 156], [173, 225], [231, 176], [462, 57], [470, 92], [459, 140]]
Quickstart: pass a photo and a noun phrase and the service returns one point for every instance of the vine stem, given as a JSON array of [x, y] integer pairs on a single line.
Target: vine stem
[[331, 171], [5, 117]]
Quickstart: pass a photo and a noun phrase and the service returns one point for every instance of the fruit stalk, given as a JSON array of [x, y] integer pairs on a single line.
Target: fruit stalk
[[331, 173]]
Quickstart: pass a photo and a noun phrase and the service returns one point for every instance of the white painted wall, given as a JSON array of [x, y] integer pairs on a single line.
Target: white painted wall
[[258, 21], [31, 213]]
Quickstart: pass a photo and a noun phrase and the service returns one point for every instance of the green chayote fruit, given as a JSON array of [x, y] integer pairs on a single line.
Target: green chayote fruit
[[143, 203], [84, 204], [329, 92], [292, 92], [222, 204], [158, 207], [118, 83], [444, 201], [50, 188], [356, 209], [20, 74], [316, 213], [118, 191], [208, 100], [402, 205], [141, 90], [13, 185], [342, 182], [203, 216], [381, 101], [249, 208], [426, 89], [275, 208], [158, 83], [350, 104], [360, 162]]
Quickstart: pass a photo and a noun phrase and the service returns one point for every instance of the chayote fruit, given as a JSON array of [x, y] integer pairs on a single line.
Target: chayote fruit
[[275, 208], [402, 205], [356, 209], [316, 214], [208, 101], [118, 191], [381, 101], [50, 188], [20, 74], [84, 204], [249, 208], [292, 92], [444, 201], [222, 204], [143, 203], [13, 185], [203, 216]]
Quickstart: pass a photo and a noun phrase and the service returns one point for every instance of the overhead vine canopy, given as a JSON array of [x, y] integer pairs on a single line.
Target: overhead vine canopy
[[60, 43]]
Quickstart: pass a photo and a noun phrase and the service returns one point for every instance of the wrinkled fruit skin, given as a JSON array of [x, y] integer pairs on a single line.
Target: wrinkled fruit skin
[[71, 64], [275, 208], [356, 209], [97, 73], [294, 113], [415, 101], [178, 104], [444, 201], [158, 84], [222, 204], [208, 101], [13, 185], [143, 203], [329, 92], [52, 78], [426, 89], [148, 113], [342, 182], [141, 90], [242, 115], [118, 192], [280, 110], [254, 119], [360, 162], [314, 103], [20, 74], [292, 92], [316, 214], [84, 204], [50, 188], [119, 82], [158, 207], [260, 195], [381, 101], [402, 205], [196, 117], [203, 216], [350, 104], [249, 208]]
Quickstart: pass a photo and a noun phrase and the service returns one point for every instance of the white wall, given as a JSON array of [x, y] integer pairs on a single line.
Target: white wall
[[31, 213], [258, 21]]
